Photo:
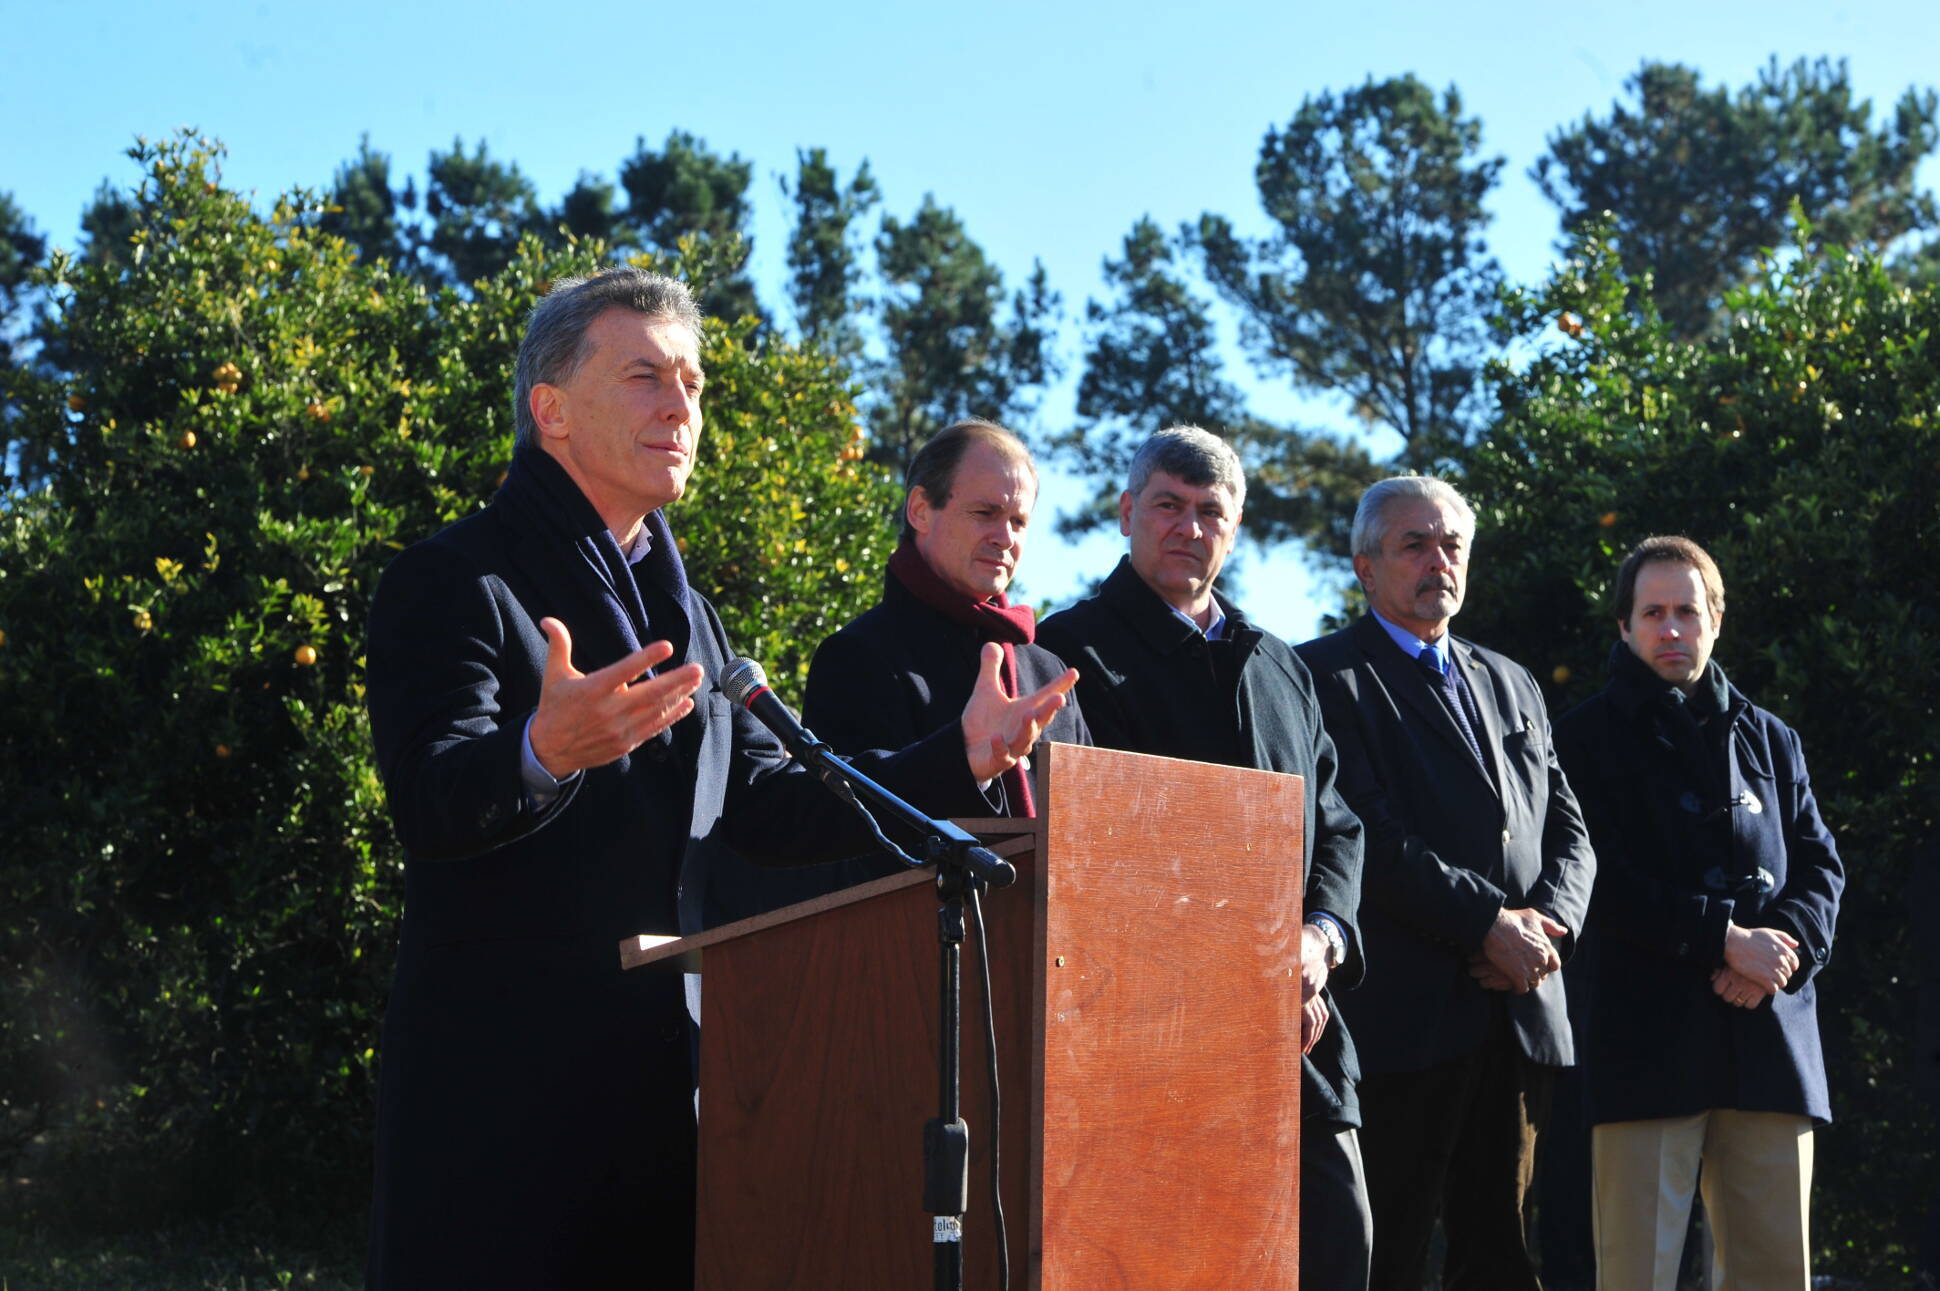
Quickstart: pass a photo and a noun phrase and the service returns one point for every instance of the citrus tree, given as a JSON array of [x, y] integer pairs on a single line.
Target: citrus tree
[[1801, 446], [199, 890]]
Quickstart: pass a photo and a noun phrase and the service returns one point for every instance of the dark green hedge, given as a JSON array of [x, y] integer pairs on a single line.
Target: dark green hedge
[[199, 890], [1801, 447]]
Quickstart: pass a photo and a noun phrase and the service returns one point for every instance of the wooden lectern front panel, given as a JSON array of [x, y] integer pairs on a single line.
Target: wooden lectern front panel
[[816, 1082], [1170, 1031], [1147, 997]]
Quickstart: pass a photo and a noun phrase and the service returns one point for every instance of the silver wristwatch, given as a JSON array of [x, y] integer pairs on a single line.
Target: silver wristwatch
[[1336, 944]]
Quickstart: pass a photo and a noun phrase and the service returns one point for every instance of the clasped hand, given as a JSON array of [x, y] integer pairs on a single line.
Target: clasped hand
[[1758, 962], [1313, 984], [1517, 954]]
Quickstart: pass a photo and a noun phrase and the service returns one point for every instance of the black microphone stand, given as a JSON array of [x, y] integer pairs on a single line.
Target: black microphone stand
[[962, 865]]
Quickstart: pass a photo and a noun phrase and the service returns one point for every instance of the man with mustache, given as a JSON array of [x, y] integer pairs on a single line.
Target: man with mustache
[[1716, 896], [1169, 666], [1477, 881], [907, 665], [558, 756]]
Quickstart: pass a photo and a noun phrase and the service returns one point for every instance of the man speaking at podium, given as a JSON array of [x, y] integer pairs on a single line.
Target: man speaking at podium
[[1168, 666], [545, 701]]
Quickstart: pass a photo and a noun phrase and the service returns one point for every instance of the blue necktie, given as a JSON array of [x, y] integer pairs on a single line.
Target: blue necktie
[[1453, 693]]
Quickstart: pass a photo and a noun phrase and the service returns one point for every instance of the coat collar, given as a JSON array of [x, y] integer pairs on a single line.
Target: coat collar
[[1161, 630], [1633, 686]]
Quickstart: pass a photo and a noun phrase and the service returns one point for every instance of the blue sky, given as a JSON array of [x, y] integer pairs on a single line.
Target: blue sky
[[1050, 128]]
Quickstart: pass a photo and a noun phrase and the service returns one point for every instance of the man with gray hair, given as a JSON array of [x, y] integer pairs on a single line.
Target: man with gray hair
[[1478, 878], [1177, 670], [557, 790]]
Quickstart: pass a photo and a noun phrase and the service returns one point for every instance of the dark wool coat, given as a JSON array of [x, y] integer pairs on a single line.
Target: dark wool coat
[[1448, 845], [1660, 1042], [901, 669], [535, 1119], [1149, 686]]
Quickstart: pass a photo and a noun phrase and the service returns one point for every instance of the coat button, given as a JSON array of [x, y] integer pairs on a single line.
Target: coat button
[[1505, 838]]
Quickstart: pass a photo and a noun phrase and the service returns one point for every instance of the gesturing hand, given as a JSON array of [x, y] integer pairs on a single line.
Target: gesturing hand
[[998, 730], [1518, 948], [589, 719]]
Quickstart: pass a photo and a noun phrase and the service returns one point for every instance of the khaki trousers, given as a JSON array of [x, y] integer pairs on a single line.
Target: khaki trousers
[[1757, 1181]]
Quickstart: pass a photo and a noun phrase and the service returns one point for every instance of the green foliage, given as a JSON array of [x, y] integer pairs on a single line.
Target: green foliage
[[1153, 363], [687, 190], [1801, 446], [188, 1259], [479, 208], [591, 211], [106, 226], [199, 891], [21, 250], [952, 351], [784, 522], [822, 261], [363, 208], [1698, 182], [1376, 284]]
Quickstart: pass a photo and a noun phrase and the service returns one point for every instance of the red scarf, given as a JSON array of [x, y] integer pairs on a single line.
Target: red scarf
[[995, 619]]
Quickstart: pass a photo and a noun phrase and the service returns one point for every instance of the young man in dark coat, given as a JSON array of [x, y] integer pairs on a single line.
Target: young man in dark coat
[[1717, 889], [907, 665], [1168, 666], [553, 790], [1477, 881]]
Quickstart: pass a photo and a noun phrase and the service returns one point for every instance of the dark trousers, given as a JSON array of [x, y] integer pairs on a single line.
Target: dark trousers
[[1336, 1225], [1456, 1141]]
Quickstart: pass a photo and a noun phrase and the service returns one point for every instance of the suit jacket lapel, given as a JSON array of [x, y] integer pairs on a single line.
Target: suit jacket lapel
[[1403, 676], [1481, 684]]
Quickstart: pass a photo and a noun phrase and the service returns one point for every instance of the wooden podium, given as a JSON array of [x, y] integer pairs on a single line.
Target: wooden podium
[[1145, 972]]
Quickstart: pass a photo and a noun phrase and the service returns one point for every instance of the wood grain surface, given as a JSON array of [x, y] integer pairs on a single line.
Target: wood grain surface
[[1145, 971]]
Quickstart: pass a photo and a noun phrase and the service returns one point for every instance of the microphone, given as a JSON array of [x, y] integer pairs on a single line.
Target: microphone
[[745, 683]]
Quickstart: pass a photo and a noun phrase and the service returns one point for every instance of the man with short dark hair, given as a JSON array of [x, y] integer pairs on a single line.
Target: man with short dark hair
[[907, 665], [1717, 890], [1477, 881], [1168, 666], [553, 791]]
